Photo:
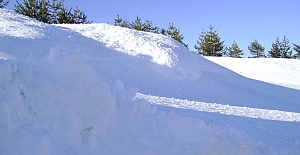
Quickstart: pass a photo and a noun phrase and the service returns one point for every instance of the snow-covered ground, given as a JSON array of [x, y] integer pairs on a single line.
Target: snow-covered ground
[[101, 89], [283, 72]]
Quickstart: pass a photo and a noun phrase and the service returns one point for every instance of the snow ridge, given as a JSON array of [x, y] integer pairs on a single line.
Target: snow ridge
[[258, 113], [136, 43]]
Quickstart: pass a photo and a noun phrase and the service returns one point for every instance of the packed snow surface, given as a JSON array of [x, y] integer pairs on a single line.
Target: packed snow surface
[[101, 89]]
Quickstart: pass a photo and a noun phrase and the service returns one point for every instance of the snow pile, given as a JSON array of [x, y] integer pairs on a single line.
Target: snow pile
[[40, 109], [159, 48], [74, 90]]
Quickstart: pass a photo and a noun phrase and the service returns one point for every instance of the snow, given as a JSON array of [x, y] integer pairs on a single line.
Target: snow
[[277, 71], [222, 109], [101, 89]]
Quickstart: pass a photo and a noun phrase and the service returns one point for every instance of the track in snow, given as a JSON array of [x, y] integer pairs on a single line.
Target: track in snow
[[266, 114]]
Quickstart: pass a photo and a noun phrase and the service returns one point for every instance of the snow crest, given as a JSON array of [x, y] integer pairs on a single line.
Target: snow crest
[[159, 48], [11, 22]]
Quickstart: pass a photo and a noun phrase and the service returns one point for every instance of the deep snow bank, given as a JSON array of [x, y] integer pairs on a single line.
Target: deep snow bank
[[71, 91], [48, 103], [58, 105]]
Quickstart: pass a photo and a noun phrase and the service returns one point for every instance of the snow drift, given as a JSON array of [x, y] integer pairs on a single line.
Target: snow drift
[[71, 89]]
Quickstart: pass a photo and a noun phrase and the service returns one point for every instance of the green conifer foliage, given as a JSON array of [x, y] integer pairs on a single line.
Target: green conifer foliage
[[118, 21], [209, 43], [52, 13], [163, 31], [256, 49], [3, 3], [285, 48], [64, 15], [281, 49], [137, 24], [275, 51], [29, 8], [43, 13], [234, 51], [125, 23], [148, 27], [55, 7], [296, 48], [174, 33]]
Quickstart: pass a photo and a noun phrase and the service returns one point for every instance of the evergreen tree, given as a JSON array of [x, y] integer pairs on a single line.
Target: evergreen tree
[[43, 13], [275, 51], [3, 3], [256, 49], [29, 8], [285, 48], [79, 17], [174, 33], [118, 21], [137, 24], [281, 49], [55, 12], [209, 43], [148, 27], [125, 23], [297, 50], [64, 15], [234, 51], [55, 7], [226, 52], [163, 31]]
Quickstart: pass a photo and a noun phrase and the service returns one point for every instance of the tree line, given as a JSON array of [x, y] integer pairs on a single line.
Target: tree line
[[147, 26], [209, 42], [51, 12]]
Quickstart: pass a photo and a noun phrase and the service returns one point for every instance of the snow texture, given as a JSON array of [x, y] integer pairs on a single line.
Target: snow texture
[[102, 89], [277, 71]]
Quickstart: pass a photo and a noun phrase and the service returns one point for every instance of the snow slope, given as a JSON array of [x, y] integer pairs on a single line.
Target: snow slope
[[101, 89], [283, 72]]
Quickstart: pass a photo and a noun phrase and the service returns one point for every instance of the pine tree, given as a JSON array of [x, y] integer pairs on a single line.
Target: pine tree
[[148, 27], [55, 12], [297, 50], [209, 43], [29, 8], [118, 21], [234, 51], [281, 49], [275, 51], [34, 9], [137, 24], [285, 48], [174, 33], [256, 49], [163, 31], [79, 17], [55, 7], [64, 15], [43, 13], [125, 23], [3, 3]]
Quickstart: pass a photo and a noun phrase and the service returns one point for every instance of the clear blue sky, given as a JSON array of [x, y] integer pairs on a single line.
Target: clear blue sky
[[239, 20]]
